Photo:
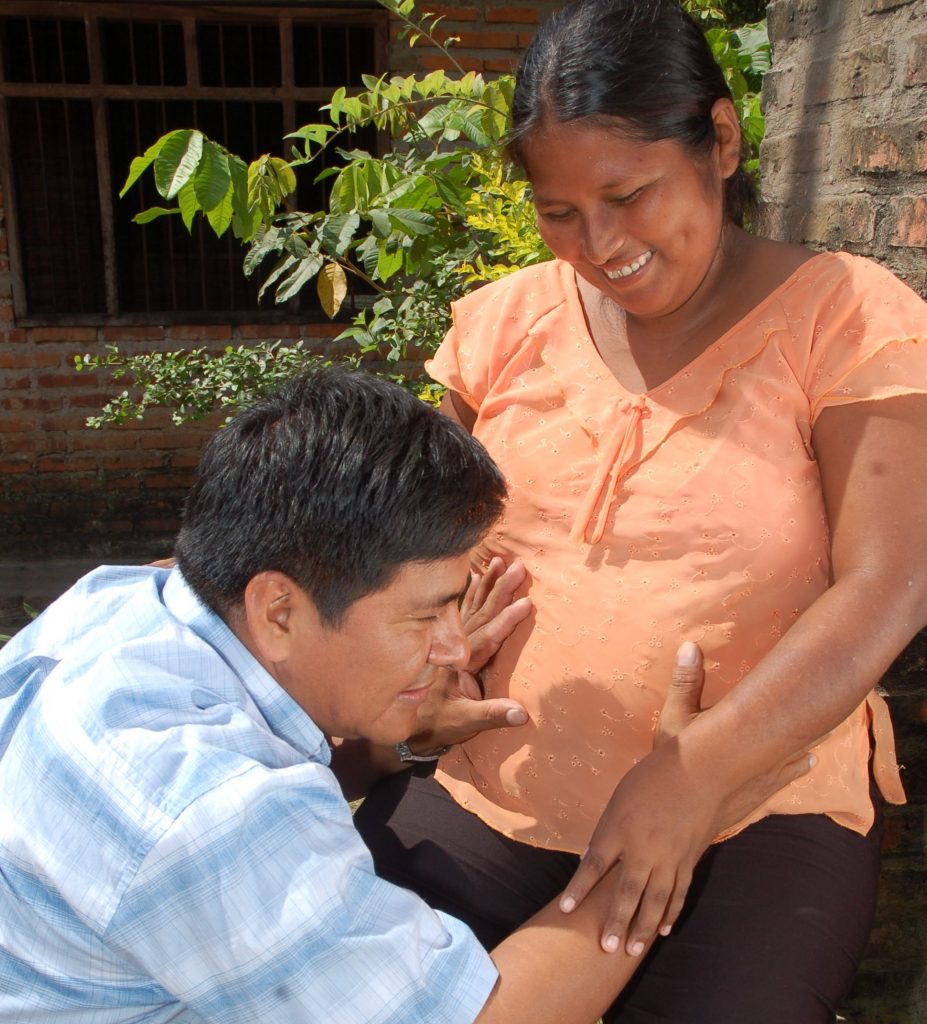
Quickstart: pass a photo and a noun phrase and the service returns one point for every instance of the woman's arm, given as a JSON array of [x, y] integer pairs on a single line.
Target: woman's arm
[[667, 810]]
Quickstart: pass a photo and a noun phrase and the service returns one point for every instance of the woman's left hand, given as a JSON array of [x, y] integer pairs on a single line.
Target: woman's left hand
[[660, 820], [456, 709]]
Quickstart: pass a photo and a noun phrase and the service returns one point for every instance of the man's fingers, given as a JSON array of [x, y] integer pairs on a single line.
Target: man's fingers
[[473, 716]]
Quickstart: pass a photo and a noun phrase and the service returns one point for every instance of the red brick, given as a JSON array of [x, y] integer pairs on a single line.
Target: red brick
[[328, 331], [185, 461], [123, 483], [910, 222], [28, 360], [452, 13], [13, 443], [131, 461], [16, 425], [64, 464], [503, 65], [897, 147], [168, 481], [17, 466], [67, 380], [438, 62], [522, 15], [68, 334], [6, 312], [484, 40], [89, 439], [66, 420], [15, 383], [270, 332], [200, 332], [916, 70], [144, 332], [160, 525], [839, 221], [176, 438], [16, 336]]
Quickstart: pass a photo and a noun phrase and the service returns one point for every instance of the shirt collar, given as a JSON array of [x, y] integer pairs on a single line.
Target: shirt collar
[[284, 717]]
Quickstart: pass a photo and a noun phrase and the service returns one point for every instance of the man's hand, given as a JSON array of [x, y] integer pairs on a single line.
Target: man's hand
[[660, 820], [455, 709]]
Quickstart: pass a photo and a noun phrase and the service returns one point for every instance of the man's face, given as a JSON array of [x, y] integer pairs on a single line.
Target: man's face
[[367, 677]]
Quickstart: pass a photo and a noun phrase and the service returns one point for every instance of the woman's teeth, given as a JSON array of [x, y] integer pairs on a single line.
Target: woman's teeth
[[626, 271]]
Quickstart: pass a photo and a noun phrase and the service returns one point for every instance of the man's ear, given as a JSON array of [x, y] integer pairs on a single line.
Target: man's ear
[[274, 608]]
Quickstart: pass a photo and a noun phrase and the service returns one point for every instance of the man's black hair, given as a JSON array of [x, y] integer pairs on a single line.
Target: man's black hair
[[338, 479]]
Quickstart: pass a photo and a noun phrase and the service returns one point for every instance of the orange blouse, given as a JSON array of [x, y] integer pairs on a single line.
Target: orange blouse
[[692, 511]]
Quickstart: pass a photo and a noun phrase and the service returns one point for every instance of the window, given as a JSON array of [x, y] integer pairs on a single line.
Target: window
[[83, 92]]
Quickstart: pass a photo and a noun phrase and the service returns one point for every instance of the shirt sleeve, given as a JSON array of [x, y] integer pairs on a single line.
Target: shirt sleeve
[[869, 339], [261, 904]]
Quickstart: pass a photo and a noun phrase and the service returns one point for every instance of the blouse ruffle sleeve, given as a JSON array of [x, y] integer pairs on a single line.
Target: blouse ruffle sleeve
[[869, 338], [491, 326]]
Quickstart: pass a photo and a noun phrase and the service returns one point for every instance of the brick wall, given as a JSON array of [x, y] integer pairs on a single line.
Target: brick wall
[[845, 166], [116, 492]]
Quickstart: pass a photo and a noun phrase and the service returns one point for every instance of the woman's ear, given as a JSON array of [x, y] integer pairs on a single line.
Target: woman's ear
[[727, 136], [272, 611]]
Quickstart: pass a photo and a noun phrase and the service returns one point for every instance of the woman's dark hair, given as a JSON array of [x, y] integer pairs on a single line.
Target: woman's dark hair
[[643, 62], [338, 480]]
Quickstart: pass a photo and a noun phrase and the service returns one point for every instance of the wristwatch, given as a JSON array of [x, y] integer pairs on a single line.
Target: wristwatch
[[405, 753]]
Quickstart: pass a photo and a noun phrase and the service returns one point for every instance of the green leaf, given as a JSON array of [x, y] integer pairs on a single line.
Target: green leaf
[[303, 273], [265, 242], [140, 164], [332, 286], [186, 200], [295, 245], [177, 161], [146, 216], [212, 178], [282, 267], [381, 223], [337, 232], [414, 221], [388, 263], [220, 216]]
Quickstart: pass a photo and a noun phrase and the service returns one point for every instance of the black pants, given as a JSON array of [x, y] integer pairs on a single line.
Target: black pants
[[774, 927]]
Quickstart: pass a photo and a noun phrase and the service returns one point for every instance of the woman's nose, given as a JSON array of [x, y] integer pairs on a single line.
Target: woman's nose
[[602, 240]]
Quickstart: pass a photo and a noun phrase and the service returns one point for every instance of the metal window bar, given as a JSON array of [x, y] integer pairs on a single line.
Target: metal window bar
[[286, 97]]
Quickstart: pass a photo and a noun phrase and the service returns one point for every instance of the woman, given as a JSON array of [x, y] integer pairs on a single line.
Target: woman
[[708, 436]]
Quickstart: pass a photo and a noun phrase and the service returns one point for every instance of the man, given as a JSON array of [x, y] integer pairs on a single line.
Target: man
[[174, 844]]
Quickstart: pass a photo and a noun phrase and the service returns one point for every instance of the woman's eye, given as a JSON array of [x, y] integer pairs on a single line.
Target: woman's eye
[[556, 214], [629, 198]]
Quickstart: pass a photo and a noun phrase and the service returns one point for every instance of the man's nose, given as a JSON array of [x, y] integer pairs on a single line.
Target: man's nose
[[450, 647]]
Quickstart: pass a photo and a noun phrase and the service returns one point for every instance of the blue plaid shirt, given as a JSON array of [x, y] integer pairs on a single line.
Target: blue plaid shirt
[[173, 844]]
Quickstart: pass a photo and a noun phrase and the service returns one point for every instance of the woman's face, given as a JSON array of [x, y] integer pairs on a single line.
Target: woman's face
[[641, 222]]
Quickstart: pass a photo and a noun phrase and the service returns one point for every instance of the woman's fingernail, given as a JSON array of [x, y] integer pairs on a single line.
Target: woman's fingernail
[[610, 943], [665, 930], [636, 948], [567, 904], [812, 761], [516, 716]]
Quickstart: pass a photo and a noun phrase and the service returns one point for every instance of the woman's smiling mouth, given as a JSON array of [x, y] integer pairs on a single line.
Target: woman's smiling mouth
[[630, 268]]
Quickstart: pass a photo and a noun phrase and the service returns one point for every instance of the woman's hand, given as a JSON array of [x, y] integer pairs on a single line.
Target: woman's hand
[[455, 709], [662, 817], [489, 609]]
